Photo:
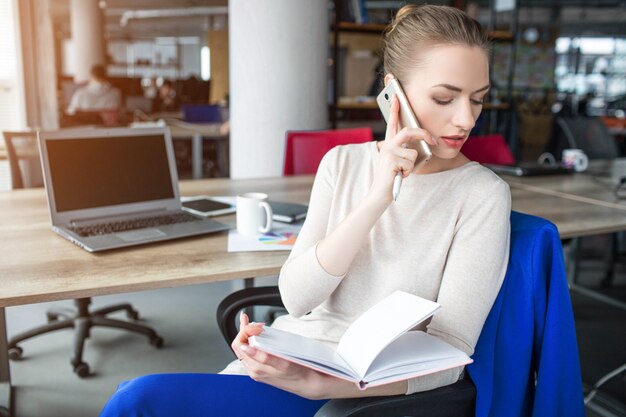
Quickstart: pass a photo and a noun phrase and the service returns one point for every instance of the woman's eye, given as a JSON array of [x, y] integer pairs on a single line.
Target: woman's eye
[[442, 102], [478, 102]]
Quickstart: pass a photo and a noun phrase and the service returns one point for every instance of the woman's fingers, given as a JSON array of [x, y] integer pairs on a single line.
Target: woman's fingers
[[406, 153], [261, 365], [411, 135], [246, 330]]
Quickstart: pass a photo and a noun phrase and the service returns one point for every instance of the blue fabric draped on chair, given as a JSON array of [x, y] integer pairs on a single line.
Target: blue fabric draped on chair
[[526, 360], [529, 334]]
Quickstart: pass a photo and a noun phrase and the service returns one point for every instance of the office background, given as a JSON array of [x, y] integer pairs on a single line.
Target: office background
[[550, 58]]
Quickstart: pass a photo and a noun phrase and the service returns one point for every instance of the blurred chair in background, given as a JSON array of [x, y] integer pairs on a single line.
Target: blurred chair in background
[[304, 150], [587, 133], [488, 149], [24, 162]]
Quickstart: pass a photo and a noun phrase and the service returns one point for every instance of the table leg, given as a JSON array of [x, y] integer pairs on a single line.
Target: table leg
[[196, 155], [5, 374]]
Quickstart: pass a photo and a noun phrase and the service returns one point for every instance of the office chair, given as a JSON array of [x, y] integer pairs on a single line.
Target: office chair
[[304, 150], [526, 359], [25, 167], [488, 149], [589, 134]]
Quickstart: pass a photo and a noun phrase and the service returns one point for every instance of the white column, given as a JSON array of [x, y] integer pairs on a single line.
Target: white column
[[87, 37], [278, 79]]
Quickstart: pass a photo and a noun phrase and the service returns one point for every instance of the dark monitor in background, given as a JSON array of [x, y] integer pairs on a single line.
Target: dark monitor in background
[[201, 113]]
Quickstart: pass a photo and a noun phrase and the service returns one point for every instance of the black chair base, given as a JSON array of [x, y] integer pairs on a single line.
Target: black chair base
[[82, 320]]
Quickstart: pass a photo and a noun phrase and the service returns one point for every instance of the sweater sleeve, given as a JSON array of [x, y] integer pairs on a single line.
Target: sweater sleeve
[[303, 282], [474, 271]]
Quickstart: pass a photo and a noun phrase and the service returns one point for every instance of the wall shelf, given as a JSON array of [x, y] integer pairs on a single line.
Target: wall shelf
[[341, 106]]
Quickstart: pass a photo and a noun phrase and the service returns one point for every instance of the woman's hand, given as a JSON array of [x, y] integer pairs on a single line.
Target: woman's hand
[[295, 378], [397, 153], [273, 370]]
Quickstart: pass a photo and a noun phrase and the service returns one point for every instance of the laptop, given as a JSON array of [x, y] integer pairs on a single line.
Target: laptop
[[111, 188], [529, 169]]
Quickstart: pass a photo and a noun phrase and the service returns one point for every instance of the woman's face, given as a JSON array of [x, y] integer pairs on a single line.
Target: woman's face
[[446, 93]]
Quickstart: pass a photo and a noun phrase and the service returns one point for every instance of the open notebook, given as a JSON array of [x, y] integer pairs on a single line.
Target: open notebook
[[376, 349]]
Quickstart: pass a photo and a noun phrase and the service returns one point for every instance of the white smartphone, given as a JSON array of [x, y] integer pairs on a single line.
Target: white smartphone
[[407, 117]]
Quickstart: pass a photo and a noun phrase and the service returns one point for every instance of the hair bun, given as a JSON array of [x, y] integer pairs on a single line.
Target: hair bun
[[404, 11], [401, 14]]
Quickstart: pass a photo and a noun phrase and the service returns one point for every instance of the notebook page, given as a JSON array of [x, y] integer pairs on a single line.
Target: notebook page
[[303, 349], [380, 325]]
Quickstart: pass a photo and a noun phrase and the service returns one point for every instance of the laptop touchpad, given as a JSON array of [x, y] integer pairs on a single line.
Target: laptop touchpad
[[136, 235]]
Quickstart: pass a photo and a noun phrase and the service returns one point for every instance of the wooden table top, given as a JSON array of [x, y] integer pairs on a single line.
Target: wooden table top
[[37, 265], [576, 187]]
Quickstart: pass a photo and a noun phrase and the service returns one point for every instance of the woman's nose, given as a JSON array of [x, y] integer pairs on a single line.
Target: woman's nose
[[464, 117]]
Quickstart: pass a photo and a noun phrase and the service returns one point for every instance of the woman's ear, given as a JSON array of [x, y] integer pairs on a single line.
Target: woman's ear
[[388, 78]]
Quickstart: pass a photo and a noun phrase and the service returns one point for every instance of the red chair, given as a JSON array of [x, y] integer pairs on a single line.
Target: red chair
[[488, 149], [304, 150]]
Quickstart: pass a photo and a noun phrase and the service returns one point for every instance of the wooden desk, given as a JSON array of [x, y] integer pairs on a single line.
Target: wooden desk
[[36, 265], [576, 187], [597, 194]]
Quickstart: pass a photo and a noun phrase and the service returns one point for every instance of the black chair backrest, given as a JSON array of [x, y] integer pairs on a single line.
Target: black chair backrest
[[589, 134], [24, 160]]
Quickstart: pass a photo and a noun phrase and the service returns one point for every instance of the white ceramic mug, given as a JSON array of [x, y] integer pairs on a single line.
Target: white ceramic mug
[[575, 158], [254, 214]]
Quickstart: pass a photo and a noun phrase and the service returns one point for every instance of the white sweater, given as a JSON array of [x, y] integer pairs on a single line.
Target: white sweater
[[445, 239]]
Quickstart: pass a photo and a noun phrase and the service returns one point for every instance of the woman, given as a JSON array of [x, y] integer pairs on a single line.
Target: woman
[[446, 237]]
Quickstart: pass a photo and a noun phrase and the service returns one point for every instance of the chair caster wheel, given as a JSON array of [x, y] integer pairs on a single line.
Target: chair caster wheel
[[15, 353], [157, 342], [82, 370], [133, 315]]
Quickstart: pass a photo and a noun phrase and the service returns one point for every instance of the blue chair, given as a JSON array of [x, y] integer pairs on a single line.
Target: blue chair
[[525, 362]]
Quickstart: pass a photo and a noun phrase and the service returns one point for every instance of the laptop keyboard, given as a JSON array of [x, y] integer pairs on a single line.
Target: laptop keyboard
[[133, 224]]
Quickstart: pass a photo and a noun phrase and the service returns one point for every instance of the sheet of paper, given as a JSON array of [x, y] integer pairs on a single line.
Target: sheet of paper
[[282, 237], [381, 325]]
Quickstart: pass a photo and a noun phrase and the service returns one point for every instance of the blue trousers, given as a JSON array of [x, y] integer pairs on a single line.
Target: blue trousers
[[205, 395]]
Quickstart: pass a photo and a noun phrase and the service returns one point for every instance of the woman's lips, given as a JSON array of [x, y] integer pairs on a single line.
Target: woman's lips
[[453, 141]]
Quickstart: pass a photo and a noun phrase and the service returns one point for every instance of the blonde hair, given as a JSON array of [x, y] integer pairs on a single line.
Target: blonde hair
[[416, 27]]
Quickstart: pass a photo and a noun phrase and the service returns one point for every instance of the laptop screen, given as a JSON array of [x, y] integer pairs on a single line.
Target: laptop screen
[[106, 171]]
